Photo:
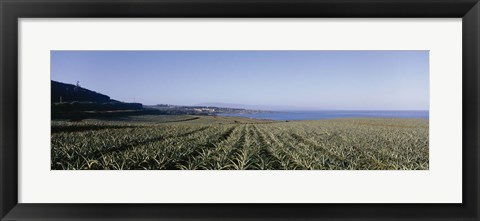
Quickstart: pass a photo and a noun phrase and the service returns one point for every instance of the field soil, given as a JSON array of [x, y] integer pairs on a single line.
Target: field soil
[[188, 142]]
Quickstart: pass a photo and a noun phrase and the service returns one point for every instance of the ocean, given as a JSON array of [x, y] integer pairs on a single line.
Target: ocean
[[318, 115]]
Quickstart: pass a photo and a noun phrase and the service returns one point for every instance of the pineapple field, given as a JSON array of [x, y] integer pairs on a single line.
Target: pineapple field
[[189, 142]]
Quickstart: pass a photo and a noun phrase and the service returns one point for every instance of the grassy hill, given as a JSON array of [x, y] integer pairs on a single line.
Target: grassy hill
[[62, 92], [74, 102]]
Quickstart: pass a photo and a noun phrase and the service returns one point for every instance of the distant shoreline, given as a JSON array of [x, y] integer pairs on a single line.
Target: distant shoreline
[[320, 115]]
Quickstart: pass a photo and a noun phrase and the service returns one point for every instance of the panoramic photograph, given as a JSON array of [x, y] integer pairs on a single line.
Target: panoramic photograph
[[240, 110]]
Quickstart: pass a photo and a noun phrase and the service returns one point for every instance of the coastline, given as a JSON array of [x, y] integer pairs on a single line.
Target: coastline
[[320, 115]]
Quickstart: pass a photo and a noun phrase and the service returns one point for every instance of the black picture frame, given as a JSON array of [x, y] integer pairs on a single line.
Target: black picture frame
[[11, 10]]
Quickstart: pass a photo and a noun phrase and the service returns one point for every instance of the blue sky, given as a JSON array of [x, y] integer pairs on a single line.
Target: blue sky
[[295, 80]]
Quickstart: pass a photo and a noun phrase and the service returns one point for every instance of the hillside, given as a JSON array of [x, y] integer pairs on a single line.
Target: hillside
[[74, 102], [62, 92]]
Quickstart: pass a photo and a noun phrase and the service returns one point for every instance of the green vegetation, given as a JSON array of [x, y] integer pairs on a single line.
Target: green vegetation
[[233, 143]]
